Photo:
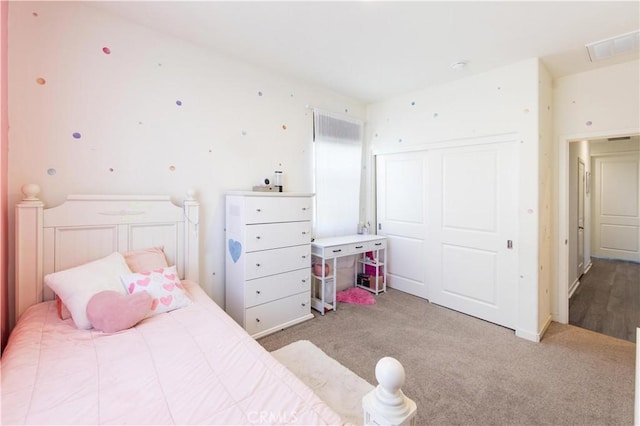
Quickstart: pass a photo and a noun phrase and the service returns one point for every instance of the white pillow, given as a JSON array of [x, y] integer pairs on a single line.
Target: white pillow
[[164, 286], [76, 286]]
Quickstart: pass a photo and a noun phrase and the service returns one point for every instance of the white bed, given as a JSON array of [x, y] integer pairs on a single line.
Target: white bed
[[193, 365]]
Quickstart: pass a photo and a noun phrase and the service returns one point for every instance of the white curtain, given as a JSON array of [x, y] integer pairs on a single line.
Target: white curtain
[[338, 167]]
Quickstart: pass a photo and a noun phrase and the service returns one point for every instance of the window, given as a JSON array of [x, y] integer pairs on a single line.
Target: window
[[338, 167]]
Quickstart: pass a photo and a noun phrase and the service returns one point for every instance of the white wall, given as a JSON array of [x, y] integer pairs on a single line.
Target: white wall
[[228, 133], [590, 105], [545, 201], [503, 100]]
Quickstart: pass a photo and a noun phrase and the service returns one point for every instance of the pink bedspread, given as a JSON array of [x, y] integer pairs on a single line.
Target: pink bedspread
[[191, 366]]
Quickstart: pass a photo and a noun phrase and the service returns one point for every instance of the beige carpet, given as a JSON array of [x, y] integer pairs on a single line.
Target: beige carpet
[[335, 384], [465, 371]]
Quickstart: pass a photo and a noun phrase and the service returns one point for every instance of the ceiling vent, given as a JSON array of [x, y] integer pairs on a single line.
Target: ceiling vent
[[621, 138], [614, 46]]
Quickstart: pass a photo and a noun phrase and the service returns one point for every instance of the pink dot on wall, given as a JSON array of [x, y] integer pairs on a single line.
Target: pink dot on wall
[[172, 168], [106, 50], [41, 81], [35, 14], [111, 169]]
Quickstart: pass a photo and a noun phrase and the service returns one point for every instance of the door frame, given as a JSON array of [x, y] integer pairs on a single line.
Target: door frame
[[560, 311]]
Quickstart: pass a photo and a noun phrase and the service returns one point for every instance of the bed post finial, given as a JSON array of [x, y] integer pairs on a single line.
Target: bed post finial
[[191, 194], [386, 404], [30, 191]]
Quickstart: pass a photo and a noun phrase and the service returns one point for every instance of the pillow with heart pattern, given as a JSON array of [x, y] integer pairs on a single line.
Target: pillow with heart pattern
[[164, 286]]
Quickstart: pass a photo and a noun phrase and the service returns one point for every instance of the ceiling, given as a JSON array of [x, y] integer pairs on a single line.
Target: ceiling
[[373, 50]]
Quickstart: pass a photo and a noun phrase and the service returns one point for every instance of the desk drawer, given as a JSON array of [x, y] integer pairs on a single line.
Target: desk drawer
[[271, 262], [266, 289], [363, 247], [275, 235], [277, 209], [268, 315]]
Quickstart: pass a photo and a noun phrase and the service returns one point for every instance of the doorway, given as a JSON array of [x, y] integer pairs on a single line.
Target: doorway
[[602, 225]]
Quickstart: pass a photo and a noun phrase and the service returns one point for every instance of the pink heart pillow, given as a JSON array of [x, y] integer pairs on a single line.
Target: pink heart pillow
[[111, 311]]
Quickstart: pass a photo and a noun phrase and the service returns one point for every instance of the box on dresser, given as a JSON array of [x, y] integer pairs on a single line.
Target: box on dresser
[[268, 259]]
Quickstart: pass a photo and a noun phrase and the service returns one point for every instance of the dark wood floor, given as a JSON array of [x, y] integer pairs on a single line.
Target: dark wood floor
[[608, 299]]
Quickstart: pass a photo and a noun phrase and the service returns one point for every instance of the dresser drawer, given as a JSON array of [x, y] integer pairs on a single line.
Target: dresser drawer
[[275, 235], [266, 289], [275, 261], [277, 209], [268, 315]]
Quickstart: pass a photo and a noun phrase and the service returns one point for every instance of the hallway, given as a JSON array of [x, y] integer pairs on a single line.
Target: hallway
[[608, 299]]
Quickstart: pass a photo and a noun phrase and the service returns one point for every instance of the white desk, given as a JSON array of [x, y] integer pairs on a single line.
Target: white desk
[[324, 249]]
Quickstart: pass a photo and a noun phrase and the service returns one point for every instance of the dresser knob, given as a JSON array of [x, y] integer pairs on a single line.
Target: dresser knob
[[257, 291], [257, 237], [258, 265], [304, 208], [258, 210], [304, 232], [304, 304], [304, 256], [304, 281], [257, 319]]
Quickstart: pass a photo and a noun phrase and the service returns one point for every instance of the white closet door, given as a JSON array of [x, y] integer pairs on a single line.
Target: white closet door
[[616, 224], [402, 211], [472, 253]]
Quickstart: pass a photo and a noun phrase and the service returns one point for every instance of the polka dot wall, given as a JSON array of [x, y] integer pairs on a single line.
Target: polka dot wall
[[107, 106]]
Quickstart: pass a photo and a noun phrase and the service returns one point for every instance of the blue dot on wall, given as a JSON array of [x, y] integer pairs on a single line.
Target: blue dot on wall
[[179, 102], [76, 135]]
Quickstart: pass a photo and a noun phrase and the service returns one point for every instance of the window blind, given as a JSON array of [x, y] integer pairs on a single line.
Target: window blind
[[338, 165]]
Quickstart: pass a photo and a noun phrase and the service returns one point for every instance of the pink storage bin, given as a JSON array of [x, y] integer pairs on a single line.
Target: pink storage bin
[[371, 270]]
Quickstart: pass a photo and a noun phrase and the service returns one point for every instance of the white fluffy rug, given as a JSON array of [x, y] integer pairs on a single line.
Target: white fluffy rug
[[334, 383]]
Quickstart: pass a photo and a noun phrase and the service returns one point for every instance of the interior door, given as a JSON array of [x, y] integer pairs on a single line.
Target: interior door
[[616, 223], [401, 184], [472, 253], [581, 182]]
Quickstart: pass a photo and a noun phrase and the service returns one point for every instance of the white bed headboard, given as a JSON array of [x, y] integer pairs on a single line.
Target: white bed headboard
[[88, 227]]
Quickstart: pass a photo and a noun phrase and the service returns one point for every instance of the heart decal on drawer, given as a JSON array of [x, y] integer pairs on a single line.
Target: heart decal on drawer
[[235, 250]]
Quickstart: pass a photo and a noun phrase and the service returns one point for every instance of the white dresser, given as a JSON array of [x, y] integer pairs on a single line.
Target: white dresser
[[268, 259]]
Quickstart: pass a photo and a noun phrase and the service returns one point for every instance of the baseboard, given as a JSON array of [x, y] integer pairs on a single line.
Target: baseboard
[[546, 325], [587, 268], [528, 335], [573, 287], [532, 336]]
